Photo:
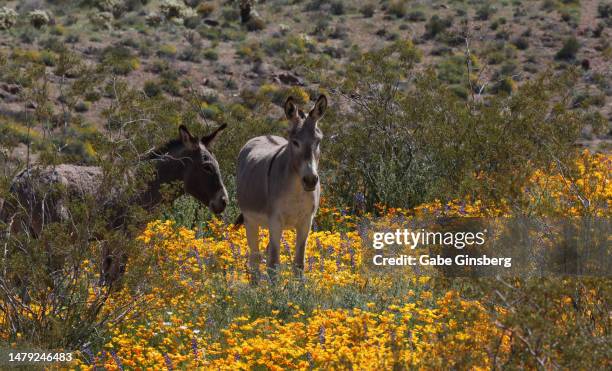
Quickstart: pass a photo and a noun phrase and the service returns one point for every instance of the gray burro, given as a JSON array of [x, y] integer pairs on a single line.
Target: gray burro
[[40, 195], [278, 185]]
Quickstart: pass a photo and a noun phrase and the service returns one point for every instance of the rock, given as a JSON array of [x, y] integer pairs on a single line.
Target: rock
[[11, 88], [261, 68]]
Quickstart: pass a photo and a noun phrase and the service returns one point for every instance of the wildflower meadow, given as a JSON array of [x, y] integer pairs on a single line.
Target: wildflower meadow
[[195, 307]]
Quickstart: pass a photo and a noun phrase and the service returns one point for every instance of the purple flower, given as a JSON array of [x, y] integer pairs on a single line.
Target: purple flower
[[360, 200], [322, 335], [194, 347], [315, 226], [310, 360], [168, 362], [117, 360], [197, 256], [319, 245], [311, 260], [286, 246], [92, 357], [352, 254]]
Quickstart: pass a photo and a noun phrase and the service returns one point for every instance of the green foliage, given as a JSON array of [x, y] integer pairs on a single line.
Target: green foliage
[[367, 10], [485, 11], [423, 142], [569, 49], [8, 18], [417, 16], [120, 59], [152, 88], [436, 26], [397, 8]]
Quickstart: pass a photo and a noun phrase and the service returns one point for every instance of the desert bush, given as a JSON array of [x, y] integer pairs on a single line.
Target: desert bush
[[39, 18], [604, 9], [151, 88], [172, 9], [417, 16], [397, 8], [107, 5], [167, 51], [82, 106], [51, 296], [485, 11], [120, 59], [367, 10], [453, 69], [211, 54], [190, 54], [436, 25], [337, 7], [102, 20], [506, 86], [8, 18], [205, 9], [421, 132], [255, 23], [569, 49], [521, 43]]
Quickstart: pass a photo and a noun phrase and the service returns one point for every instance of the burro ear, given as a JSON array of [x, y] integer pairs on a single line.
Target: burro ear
[[207, 139], [186, 138], [319, 108], [291, 110]]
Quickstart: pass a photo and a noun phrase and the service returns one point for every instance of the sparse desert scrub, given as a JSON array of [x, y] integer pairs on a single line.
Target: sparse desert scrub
[[8, 18], [39, 18], [421, 130]]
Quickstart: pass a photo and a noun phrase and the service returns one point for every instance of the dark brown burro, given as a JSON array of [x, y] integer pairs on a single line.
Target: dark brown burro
[[41, 195]]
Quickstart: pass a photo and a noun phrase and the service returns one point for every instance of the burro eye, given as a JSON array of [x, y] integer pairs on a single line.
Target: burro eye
[[208, 168], [295, 143]]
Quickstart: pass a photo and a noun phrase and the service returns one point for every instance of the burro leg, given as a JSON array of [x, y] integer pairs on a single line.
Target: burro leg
[[252, 233]]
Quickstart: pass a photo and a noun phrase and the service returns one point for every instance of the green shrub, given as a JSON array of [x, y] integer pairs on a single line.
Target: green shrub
[[82, 106], [205, 9], [211, 54], [120, 59], [337, 7], [167, 51], [569, 49], [397, 8], [8, 18], [604, 9], [152, 89], [367, 10], [190, 54], [521, 43], [255, 23], [505, 85], [38, 18], [430, 144], [417, 16], [436, 25], [485, 11]]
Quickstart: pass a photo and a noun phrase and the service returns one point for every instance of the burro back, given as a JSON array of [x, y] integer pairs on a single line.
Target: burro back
[[278, 185]]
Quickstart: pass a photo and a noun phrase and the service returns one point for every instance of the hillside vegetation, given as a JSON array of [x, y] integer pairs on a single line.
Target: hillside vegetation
[[469, 109]]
